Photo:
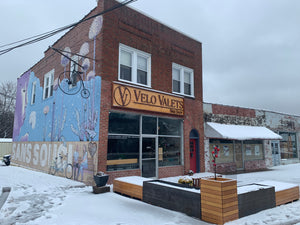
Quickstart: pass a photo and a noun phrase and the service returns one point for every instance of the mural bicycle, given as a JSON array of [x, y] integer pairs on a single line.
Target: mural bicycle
[[61, 166]]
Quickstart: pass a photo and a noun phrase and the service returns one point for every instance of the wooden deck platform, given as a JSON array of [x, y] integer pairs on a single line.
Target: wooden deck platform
[[284, 192], [130, 186], [287, 195]]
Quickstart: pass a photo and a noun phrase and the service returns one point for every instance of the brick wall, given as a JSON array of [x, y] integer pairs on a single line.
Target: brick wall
[[166, 46], [232, 115], [225, 168], [104, 117], [133, 29], [232, 110], [72, 39], [193, 120], [255, 165], [170, 171]]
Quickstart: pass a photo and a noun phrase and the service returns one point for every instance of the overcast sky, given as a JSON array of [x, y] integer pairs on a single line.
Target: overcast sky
[[251, 48]]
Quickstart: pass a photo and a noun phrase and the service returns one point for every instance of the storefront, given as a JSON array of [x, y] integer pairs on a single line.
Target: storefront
[[288, 145], [242, 148], [143, 142], [284, 150]]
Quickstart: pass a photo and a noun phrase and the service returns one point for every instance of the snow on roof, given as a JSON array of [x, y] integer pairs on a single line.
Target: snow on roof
[[5, 140], [239, 132]]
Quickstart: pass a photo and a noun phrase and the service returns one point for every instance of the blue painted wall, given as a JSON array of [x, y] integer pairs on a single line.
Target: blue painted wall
[[60, 117]]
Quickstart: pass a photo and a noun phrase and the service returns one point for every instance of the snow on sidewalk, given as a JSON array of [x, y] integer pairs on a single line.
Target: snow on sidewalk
[[288, 214], [38, 198]]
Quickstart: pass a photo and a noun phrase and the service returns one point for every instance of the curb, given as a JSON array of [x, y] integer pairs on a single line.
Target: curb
[[4, 195]]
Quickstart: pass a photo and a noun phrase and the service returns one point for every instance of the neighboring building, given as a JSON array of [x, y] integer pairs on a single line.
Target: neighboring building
[[139, 110], [248, 138]]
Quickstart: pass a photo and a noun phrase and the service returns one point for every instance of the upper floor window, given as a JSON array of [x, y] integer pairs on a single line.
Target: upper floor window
[[182, 80], [134, 66], [33, 93], [48, 84]]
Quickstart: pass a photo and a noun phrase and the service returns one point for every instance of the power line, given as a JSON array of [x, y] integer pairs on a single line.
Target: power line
[[40, 37]]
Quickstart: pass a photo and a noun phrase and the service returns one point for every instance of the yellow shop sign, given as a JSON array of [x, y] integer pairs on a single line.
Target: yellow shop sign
[[136, 98]]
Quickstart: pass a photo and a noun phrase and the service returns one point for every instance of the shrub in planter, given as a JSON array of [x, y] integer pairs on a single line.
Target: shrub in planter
[[186, 180]]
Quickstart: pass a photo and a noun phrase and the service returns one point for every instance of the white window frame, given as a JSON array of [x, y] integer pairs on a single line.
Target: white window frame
[[182, 70], [48, 85], [134, 56], [33, 93]]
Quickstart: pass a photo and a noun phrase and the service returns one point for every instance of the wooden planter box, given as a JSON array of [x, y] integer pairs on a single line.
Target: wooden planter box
[[255, 201], [219, 200], [130, 189], [180, 198]]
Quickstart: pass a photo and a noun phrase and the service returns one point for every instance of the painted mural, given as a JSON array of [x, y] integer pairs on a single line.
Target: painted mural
[[60, 117], [73, 160], [61, 124]]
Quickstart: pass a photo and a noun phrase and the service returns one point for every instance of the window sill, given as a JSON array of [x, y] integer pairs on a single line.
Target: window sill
[[188, 96], [133, 83]]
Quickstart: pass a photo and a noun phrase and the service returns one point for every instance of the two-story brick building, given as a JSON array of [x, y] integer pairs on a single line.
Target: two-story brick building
[[133, 107]]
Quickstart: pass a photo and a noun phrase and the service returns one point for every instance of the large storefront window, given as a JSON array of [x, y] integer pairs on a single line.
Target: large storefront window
[[251, 150], [127, 141], [169, 151], [226, 150], [123, 123], [169, 127], [149, 125], [288, 146], [124, 152]]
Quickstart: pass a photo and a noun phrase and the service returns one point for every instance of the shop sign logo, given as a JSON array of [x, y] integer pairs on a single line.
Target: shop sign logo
[[122, 96], [135, 98]]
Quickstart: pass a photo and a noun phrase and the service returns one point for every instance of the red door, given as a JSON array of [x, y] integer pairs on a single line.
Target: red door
[[193, 157]]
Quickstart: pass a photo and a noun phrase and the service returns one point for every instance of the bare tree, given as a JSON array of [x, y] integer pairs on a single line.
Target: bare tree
[[7, 108]]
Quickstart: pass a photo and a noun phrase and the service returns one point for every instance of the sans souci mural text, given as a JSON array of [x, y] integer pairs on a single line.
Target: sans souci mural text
[[82, 156]]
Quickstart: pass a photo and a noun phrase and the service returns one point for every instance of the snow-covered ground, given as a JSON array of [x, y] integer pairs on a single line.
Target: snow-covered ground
[[38, 198]]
